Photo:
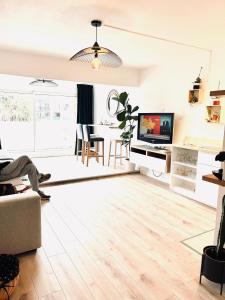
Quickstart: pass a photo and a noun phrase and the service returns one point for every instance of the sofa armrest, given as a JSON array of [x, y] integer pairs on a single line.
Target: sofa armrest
[[20, 222]]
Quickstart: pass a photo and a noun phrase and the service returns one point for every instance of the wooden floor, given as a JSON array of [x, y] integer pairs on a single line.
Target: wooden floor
[[117, 238]]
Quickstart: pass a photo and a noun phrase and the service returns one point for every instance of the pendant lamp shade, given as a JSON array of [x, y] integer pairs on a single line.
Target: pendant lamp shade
[[43, 82], [97, 55]]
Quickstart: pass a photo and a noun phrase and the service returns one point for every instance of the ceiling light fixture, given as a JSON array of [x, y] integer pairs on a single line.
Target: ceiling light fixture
[[97, 55], [43, 82]]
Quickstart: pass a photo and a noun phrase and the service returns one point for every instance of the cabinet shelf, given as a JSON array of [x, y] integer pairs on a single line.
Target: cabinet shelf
[[189, 165], [186, 178]]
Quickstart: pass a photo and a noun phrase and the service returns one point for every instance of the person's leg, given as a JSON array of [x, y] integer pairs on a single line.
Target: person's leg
[[33, 176], [30, 170], [14, 169], [24, 166]]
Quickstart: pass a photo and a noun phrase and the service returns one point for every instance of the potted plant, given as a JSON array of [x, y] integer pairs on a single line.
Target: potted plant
[[213, 257], [126, 118]]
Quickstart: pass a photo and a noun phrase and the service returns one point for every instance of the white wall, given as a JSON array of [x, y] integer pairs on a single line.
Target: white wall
[[164, 88], [48, 67], [101, 92]]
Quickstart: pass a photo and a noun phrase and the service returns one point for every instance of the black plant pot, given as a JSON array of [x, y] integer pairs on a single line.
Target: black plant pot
[[212, 267]]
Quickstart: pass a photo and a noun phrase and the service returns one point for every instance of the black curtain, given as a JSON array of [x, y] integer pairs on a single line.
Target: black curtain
[[85, 105]]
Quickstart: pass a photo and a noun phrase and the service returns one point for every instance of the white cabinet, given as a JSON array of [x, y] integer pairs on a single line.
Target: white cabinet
[[206, 192], [155, 159], [187, 168]]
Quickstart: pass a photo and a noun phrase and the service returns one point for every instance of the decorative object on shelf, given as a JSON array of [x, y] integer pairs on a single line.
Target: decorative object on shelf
[[193, 96], [213, 113], [197, 82], [216, 111], [97, 55], [217, 99], [221, 157], [194, 93], [43, 82], [9, 275], [126, 117], [112, 106], [213, 257], [216, 102]]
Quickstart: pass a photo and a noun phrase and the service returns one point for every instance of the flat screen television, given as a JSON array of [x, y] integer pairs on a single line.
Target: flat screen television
[[155, 128]]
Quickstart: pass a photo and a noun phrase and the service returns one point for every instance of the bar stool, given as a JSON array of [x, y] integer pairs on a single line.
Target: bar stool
[[92, 138], [80, 141], [115, 155]]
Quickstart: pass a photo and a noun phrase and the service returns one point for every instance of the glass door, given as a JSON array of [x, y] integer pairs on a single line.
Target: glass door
[[55, 122]]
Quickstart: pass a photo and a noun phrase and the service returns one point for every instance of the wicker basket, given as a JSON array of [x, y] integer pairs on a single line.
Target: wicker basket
[[9, 275]]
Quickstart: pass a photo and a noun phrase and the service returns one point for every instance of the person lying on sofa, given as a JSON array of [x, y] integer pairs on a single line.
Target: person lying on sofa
[[22, 166]]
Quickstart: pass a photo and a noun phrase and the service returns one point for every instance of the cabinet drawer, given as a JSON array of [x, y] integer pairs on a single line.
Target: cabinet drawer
[[137, 158], [206, 192]]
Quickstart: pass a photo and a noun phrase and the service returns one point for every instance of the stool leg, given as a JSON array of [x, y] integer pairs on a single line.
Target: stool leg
[[77, 147], [103, 154], [127, 154], [88, 152], [96, 149], [82, 152], [121, 153], [110, 144], [115, 154], [85, 150]]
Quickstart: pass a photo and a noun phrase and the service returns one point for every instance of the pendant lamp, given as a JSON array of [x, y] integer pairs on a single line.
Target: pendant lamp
[[43, 82], [97, 55]]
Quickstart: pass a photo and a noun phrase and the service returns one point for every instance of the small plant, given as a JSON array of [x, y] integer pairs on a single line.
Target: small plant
[[126, 117]]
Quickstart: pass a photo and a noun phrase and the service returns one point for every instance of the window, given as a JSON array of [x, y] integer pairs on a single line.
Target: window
[[33, 122]]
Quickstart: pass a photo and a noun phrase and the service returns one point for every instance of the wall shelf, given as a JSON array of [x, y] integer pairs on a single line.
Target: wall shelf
[[217, 93], [194, 96]]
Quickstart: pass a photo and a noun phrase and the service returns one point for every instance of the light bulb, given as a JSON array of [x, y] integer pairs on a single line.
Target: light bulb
[[96, 63]]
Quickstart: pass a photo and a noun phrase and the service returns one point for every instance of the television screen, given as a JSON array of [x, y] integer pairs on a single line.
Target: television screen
[[155, 128]]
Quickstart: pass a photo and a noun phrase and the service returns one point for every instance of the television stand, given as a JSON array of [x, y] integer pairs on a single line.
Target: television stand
[[151, 157], [156, 147]]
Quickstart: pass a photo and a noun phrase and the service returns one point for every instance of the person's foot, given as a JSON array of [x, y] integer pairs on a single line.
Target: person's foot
[[44, 177], [43, 196]]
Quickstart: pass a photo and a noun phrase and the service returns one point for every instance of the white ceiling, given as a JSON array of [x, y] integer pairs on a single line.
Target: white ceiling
[[62, 27]]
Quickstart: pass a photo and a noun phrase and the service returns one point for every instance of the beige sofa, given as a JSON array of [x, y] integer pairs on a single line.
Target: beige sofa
[[20, 223]]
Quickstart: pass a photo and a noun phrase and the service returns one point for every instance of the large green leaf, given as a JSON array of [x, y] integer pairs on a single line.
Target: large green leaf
[[129, 108], [122, 125], [135, 109], [123, 98], [121, 116]]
